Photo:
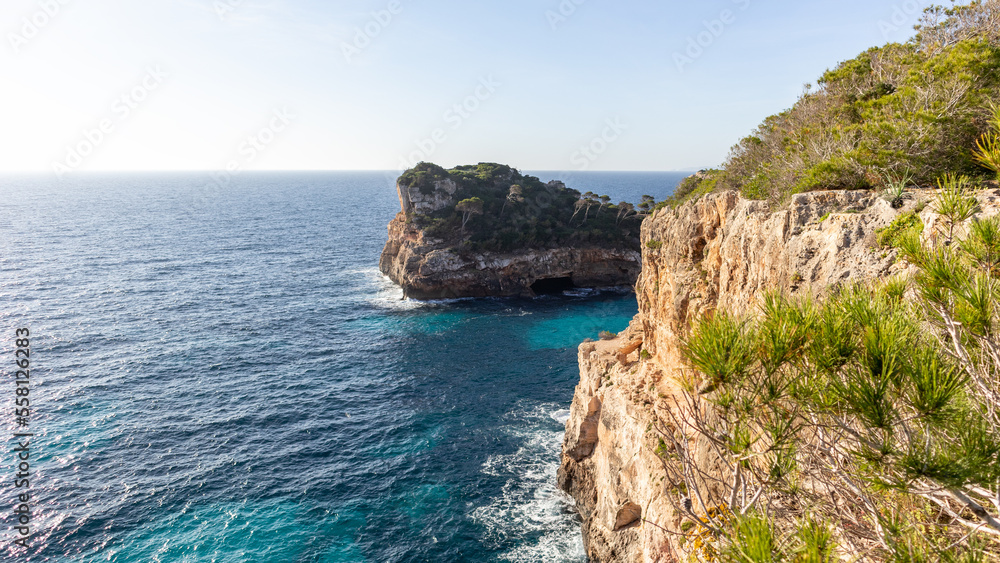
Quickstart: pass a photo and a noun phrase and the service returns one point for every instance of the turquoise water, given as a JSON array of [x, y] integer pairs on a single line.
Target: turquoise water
[[222, 375]]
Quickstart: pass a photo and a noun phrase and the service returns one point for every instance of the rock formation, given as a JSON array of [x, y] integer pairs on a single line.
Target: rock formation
[[721, 251], [428, 267]]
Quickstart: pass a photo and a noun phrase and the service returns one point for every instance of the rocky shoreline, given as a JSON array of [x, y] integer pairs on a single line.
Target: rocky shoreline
[[429, 269]]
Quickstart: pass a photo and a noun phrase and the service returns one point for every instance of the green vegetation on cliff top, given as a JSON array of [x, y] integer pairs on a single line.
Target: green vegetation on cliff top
[[916, 109], [499, 209]]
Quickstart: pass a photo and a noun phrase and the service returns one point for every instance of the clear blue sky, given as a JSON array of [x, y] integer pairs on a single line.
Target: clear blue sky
[[277, 70]]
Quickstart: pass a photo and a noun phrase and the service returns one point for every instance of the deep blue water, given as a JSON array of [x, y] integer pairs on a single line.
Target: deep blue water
[[222, 375]]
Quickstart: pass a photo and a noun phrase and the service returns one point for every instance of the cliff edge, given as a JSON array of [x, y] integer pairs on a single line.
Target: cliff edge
[[719, 252]]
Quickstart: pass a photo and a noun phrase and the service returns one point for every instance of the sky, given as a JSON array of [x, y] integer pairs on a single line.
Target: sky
[[107, 85]]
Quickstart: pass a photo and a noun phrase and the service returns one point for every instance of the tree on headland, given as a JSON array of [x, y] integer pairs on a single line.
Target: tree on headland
[[578, 206], [625, 209], [588, 201], [605, 200], [468, 208], [647, 203]]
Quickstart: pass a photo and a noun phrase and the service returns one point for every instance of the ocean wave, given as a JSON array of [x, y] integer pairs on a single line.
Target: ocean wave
[[531, 512], [385, 293], [560, 416]]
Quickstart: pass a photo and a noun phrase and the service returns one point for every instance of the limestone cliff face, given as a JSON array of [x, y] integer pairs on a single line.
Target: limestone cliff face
[[411, 199], [719, 252], [428, 268]]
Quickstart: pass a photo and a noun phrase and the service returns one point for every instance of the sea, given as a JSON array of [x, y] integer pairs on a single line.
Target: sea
[[219, 373]]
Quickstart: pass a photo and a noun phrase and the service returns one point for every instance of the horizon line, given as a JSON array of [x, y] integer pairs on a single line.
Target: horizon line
[[322, 170]]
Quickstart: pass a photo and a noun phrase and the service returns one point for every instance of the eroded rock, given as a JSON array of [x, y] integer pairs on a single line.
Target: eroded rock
[[428, 268], [721, 251]]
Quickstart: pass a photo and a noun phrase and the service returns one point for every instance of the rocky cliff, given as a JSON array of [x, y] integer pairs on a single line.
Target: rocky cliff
[[429, 264], [720, 251]]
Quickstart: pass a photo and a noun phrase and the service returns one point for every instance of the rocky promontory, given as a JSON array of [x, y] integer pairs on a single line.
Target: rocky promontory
[[489, 231]]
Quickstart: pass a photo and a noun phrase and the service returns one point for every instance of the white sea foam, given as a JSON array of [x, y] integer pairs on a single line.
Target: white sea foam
[[385, 294], [560, 416], [532, 512]]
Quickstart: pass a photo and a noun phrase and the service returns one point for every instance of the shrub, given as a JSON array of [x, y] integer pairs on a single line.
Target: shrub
[[913, 107], [890, 236], [864, 412], [423, 176], [607, 335], [692, 188], [987, 152], [955, 202], [894, 190]]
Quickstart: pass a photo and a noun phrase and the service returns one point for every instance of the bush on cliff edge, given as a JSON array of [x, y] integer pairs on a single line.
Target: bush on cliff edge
[[916, 108]]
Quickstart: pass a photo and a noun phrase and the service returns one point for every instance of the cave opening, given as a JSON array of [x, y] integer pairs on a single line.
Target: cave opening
[[549, 286]]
